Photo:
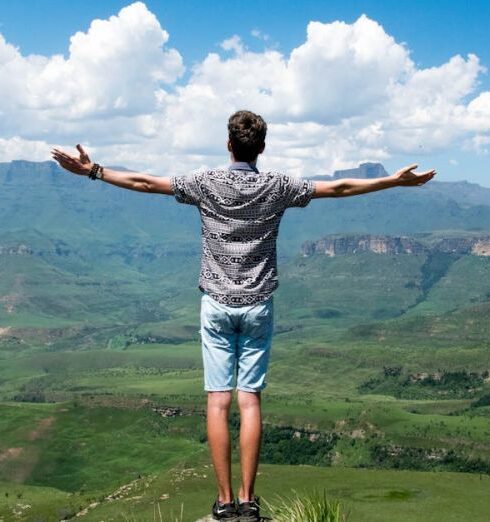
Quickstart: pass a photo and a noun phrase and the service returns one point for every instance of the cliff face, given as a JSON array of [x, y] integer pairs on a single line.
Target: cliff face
[[381, 244], [481, 247], [475, 246]]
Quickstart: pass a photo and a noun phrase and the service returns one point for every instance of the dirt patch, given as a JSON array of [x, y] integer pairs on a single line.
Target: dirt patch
[[21, 461], [4, 331], [358, 434], [10, 453], [340, 424], [42, 426], [15, 297], [18, 463]]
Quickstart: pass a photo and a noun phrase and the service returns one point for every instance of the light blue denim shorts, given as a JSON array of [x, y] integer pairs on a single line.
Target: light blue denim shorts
[[236, 344]]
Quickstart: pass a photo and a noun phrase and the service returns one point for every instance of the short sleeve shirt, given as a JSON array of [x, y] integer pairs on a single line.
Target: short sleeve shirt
[[240, 210]]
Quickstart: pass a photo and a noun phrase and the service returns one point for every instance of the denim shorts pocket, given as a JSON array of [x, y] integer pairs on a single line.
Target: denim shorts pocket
[[259, 320], [214, 318]]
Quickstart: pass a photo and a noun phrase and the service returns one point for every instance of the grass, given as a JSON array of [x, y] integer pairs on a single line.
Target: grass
[[89, 449], [365, 495], [36, 502], [306, 507]]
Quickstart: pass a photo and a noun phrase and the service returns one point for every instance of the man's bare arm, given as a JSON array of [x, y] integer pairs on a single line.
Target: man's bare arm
[[353, 186], [129, 180]]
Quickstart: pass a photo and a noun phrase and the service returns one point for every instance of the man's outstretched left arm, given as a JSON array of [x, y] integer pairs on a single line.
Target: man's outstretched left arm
[[129, 180], [353, 186]]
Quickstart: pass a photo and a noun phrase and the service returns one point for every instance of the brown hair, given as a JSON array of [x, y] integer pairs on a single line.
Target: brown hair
[[246, 132]]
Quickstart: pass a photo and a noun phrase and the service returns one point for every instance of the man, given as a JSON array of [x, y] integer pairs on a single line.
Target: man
[[241, 208]]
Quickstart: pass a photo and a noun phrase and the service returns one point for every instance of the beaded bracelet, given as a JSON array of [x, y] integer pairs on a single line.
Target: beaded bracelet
[[96, 168]]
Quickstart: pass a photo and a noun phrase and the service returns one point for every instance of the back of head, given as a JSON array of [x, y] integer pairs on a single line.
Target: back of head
[[246, 132]]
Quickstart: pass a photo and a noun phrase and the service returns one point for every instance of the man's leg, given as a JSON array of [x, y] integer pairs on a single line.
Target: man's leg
[[250, 437], [219, 441], [219, 337], [254, 346]]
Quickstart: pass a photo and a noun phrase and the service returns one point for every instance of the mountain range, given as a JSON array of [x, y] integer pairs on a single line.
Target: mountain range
[[75, 250], [41, 204]]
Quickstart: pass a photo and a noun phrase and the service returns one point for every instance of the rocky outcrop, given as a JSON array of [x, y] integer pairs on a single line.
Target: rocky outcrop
[[476, 246], [15, 250], [381, 244], [365, 170], [334, 246], [481, 247]]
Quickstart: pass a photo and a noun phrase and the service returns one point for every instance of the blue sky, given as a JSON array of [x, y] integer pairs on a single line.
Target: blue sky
[[434, 29], [432, 32]]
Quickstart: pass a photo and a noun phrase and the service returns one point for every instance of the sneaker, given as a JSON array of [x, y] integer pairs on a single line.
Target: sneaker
[[223, 511], [249, 511]]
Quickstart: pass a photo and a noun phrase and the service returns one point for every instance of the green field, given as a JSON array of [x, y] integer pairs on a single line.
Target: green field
[[367, 495], [379, 388]]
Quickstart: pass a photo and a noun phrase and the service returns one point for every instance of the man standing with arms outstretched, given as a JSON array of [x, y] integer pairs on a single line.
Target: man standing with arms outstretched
[[241, 209]]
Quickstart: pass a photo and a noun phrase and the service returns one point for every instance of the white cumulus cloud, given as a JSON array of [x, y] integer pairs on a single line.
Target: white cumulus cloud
[[348, 93], [115, 69]]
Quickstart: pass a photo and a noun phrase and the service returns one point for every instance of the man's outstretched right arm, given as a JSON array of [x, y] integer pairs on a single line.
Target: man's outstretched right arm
[[138, 181], [344, 187]]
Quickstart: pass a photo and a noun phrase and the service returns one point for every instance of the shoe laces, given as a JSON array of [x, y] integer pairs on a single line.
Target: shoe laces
[[249, 507]]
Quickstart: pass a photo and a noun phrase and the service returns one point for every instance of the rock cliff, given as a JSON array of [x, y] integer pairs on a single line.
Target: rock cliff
[[381, 244]]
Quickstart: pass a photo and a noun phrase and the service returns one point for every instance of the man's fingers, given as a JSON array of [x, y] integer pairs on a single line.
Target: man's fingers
[[82, 151], [410, 167], [57, 153], [65, 158], [61, 153], [424, 177], [68, 162], [427, 174]]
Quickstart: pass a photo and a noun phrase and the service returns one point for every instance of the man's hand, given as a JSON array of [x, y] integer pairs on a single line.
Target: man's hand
[[80, 165], [405, 176]]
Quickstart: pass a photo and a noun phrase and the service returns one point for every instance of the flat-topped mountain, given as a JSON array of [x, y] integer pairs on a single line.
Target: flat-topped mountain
[[366, 170], [337, 245]]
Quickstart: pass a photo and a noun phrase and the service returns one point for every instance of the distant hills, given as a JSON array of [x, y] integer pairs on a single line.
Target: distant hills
[[40, 204], [73, 250]]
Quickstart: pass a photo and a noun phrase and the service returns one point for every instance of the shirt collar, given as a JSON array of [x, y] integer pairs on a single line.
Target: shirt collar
[[243, 165]]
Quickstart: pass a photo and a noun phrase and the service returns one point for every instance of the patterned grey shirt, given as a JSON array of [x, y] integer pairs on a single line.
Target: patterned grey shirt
[[241, 209]]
